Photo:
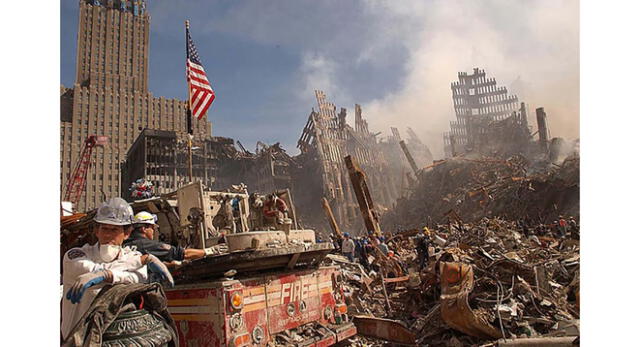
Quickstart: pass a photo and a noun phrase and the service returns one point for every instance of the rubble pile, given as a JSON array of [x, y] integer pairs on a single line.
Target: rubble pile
[[486, 187], [483, 282]]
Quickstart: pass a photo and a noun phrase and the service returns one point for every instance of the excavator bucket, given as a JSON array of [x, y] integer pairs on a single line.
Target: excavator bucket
[[456, 284]]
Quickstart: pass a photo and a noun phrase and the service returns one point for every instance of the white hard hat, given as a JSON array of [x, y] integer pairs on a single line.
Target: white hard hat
[[114, 211], [145, 217]]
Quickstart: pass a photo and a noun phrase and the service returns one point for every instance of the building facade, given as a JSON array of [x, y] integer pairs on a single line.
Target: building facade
[[326, 139], [110, 95], [161, 157], [477, 101]]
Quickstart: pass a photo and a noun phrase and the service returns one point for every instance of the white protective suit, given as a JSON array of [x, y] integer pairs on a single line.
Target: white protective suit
[[126, 268]]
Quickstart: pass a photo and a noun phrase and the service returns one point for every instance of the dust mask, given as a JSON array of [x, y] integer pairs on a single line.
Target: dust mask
[[108, 253]]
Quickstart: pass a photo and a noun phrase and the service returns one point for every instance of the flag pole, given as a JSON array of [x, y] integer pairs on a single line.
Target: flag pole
[[189, 120]]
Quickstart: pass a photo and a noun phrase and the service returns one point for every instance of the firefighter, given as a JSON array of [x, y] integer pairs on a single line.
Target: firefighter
[[144, 227], [86, 269]]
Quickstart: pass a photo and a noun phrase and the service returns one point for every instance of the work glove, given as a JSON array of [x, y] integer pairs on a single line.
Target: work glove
[[156, 266], [210, 251], [84, 282]]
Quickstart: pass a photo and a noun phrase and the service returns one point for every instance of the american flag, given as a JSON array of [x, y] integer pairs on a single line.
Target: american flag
[[201, 94]]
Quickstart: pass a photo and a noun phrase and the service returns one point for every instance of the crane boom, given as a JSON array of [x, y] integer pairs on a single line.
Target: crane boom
[[78, 180]]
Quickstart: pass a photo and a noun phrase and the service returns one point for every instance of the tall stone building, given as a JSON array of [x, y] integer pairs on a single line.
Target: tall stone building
[[110, 95]]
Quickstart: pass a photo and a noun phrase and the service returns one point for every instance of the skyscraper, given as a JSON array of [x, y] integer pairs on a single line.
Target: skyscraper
[[110, 95]]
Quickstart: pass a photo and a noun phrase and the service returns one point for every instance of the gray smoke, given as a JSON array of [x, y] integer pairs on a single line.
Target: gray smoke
[[531, 47]]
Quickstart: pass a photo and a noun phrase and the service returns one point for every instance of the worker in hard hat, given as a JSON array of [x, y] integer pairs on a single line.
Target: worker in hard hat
[[144, 229], [87, 269]]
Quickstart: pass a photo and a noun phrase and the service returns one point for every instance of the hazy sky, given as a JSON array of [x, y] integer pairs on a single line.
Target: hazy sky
[[395, 58]]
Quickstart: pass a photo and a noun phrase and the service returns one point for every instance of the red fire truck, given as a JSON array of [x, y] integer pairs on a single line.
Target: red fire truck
[[265, 288], [295, 308]]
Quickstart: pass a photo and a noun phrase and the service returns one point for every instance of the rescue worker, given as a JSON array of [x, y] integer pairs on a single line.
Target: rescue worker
[[562, 223], [393, 256], [335, 242], [275, 210], [363, 255], [383, 246], [422, 248], [574, 229], [256, 203], [142, 238], [357, 241], [348, 247], [86, 269]]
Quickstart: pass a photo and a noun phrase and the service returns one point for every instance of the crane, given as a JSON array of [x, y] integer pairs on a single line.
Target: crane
[[78, 180]]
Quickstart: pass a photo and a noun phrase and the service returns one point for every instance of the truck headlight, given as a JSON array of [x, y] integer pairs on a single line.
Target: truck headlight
[[236, 300]]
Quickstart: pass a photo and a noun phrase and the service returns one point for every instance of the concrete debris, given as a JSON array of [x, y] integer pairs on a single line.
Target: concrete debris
[[471, 189], [470, 291]]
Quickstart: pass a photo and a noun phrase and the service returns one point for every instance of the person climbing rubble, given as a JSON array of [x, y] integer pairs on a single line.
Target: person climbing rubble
[[142, 238], [87, 269]]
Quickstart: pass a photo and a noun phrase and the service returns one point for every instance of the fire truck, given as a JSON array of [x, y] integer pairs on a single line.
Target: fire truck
[[267, 289], [295, 308], [266, 286]]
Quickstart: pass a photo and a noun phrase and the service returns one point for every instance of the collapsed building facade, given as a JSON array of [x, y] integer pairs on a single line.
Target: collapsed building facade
[[161, 157], [488, 120], [319, 171], [326, 139]]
